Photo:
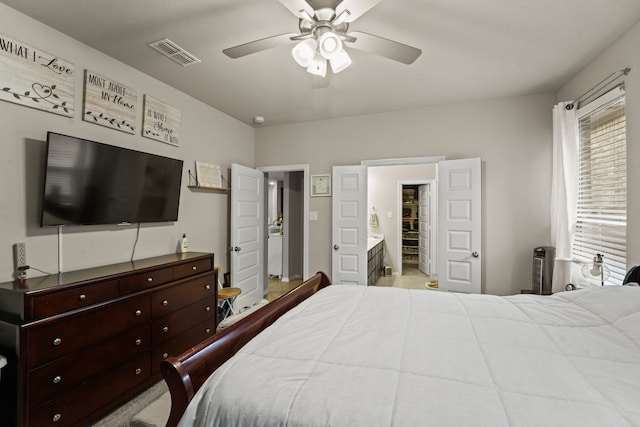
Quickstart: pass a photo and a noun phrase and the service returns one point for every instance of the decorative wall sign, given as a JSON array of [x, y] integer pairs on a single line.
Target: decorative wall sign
[[34, 78], [108, 103], [161, 121], [208, 175]]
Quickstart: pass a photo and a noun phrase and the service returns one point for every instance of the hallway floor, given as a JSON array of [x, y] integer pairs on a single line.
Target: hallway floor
[[277, 287], [411, 278]]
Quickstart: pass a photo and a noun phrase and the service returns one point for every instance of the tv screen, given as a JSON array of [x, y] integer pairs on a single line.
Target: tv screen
[[90, 183]]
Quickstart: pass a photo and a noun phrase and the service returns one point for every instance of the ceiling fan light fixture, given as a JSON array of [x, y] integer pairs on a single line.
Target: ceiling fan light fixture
[[330, 45], [304, 52], [318, 66], [340, 62]]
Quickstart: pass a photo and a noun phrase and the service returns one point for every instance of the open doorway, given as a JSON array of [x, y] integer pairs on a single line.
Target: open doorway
[[403, 198], [287, 228], [457, 235]]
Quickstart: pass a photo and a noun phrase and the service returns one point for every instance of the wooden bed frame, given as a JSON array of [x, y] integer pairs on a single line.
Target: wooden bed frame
[[185, 374]]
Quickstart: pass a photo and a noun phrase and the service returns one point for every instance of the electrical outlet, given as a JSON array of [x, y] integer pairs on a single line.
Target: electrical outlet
[[20, 254], [20, 260]]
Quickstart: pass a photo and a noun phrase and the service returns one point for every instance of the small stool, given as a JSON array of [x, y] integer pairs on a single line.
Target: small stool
[[226, 298]]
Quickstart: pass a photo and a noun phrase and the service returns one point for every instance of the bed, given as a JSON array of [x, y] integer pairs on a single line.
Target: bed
[[346, 355]]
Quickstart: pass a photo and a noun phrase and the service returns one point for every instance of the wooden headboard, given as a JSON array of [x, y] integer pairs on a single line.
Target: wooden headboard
[[185, 374]]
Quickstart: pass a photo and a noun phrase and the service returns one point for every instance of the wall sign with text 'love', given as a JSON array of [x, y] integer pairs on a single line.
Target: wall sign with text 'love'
[[35, 78]]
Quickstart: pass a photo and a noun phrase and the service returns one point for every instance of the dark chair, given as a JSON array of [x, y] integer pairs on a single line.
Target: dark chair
[[633, 275]]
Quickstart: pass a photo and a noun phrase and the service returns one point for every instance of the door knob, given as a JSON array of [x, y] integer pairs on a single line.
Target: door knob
[[336, 247], [475, 254], [236, 249]]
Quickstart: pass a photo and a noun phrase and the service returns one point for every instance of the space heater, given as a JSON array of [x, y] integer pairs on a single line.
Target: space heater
[[542, 273]]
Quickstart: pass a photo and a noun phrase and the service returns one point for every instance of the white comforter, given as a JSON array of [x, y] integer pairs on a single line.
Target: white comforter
[[369, 356]]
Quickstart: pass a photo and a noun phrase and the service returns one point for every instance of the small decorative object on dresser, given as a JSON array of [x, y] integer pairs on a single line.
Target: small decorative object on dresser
[[83, 342]]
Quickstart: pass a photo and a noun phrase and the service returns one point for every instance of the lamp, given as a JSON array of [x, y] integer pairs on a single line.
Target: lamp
[[318, 66], [304, 52], [595, 269], [340, 61], [330, 45], [589, 274], [313, 53]]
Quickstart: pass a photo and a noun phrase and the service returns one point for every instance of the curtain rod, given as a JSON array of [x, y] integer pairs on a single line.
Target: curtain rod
[[599, 86]]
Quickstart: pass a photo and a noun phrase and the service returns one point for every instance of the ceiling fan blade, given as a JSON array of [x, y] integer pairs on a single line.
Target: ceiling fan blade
[[299, 8], [259, 45], [354, 9], [347, 38], [385, 47], [302, 36]]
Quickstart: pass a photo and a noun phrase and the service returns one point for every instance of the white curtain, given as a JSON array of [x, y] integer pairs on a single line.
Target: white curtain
[[563, 190]]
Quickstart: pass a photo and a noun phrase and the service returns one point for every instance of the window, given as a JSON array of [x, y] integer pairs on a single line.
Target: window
[[601, 214]]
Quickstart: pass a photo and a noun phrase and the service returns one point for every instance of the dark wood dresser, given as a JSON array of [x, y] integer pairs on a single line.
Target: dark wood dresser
[[83, 342]]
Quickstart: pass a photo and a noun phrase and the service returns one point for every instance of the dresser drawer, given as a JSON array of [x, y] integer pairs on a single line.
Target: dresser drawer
[[145, 280], [70, 408], [192, 268], [171, 299], [60, 338], [181, 320], [181, 343], [82, 296], [70, 371]]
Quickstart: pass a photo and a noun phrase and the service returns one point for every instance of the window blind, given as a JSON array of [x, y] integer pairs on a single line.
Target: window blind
[[601, 217]]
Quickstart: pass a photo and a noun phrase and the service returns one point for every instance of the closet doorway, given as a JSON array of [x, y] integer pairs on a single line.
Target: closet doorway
[[416, 230]]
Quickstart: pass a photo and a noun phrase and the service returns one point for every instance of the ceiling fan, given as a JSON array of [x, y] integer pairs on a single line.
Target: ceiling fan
[[324, 26]]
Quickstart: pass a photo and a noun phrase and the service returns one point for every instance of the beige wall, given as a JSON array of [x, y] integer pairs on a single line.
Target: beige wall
[[206, 134], [512, 136], [623, 53]]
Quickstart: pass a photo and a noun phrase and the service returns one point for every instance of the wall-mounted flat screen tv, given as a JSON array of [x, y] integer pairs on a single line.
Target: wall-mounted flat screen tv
[[91, 183]]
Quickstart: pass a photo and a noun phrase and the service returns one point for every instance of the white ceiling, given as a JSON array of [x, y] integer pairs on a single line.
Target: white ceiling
[[471, 50]]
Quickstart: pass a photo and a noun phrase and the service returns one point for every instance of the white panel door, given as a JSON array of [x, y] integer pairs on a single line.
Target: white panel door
[[424, 227], [349, 260], [247, 234], [459, 226]]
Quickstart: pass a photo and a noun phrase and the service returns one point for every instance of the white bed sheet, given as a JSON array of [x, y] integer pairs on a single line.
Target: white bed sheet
[[371, 356]]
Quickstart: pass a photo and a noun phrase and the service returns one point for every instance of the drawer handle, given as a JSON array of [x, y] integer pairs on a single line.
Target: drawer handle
[[194, 268], [138, 371], [82, 297], [165, 329], [165, 302], [207, 331], [149, 279], [165, 355], [56, 418], [207, 308], [138, 313], [57, 341], [207, 287], [138, 341], [57, 379]]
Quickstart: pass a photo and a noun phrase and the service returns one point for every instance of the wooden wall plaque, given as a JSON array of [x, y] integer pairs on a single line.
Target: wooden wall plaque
[[109, 103], [34, 78], [161, 121]]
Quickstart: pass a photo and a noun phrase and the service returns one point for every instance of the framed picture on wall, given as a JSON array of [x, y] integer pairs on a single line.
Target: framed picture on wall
[[320, 185], [208, 175]]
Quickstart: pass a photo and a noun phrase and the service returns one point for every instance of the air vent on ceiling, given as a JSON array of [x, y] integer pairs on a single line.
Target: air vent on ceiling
[[174, 52]]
